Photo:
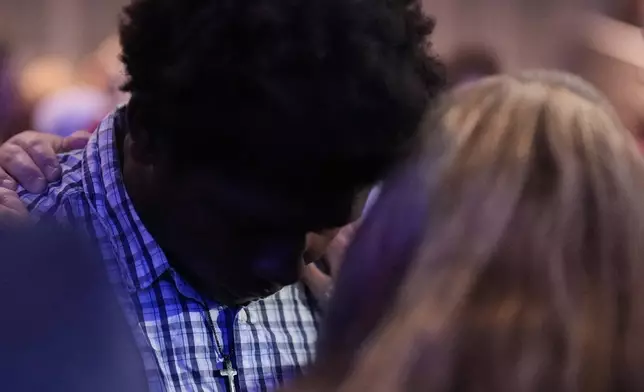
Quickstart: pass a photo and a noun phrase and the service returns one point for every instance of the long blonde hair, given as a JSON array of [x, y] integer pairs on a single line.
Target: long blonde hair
[[506, 257]]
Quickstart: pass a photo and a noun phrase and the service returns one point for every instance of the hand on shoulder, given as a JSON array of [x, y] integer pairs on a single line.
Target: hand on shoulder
[[30, 159]]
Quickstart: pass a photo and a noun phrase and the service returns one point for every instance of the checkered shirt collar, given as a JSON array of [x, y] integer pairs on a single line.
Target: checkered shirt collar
[[143, 261]]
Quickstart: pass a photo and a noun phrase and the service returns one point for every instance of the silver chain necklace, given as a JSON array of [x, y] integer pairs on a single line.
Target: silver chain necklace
[[228, 371]]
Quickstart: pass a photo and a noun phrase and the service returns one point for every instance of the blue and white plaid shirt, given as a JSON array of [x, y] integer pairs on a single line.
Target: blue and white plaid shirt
[[272, 339]]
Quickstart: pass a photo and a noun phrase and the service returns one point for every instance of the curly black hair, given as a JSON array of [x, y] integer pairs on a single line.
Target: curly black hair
[[326, 93]]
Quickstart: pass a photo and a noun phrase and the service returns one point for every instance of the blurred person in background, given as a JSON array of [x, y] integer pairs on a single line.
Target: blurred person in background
[[471, 63], [44, 76], [63, 98], [292, 125], [103, 70], [49, 340], [108, 57], [74, 108], [505, 257], [13, 112], [612, 57]]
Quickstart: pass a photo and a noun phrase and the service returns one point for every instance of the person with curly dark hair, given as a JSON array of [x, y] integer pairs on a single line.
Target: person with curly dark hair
[[250, 124]]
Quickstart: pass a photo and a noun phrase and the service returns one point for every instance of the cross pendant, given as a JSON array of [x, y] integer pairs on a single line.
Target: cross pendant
[[229, 373]]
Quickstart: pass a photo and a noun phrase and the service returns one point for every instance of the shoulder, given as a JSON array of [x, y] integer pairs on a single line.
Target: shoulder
[[295, 302], [59, 195]]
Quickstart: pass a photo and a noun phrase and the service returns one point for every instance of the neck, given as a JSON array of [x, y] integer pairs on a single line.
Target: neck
[[155, 206], [139, 187]]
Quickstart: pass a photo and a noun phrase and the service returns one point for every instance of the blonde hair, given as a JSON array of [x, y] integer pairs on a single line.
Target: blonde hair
[[506, 257]]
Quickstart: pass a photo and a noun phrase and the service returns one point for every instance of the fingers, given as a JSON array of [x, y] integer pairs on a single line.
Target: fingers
[[75, 141], [337, 248], [6, 181], [16, 162], [42, 151], [12, 210], [10, 200], [317, 281], [30, 158], [349, 231]]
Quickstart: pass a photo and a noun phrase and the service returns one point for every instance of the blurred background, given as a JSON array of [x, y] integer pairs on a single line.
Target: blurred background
[[59, 68]]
